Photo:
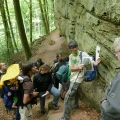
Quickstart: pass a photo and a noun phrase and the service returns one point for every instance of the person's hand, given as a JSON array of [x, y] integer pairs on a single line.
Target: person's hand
[[35, 94], [104, 101], [47, 92], [81, 66], [98, 60]]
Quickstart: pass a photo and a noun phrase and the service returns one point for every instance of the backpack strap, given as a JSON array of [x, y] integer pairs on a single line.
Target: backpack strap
[[81, 60], [80, 55], [21, 91], [32, 101]]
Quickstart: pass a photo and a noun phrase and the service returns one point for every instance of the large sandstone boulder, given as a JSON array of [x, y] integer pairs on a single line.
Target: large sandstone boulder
[[92, 23]]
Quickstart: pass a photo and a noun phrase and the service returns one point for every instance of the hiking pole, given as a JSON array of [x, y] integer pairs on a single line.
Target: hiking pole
[[76, 97], [75, 105]]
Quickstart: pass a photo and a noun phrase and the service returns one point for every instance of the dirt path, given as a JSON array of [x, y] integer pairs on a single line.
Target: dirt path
[[83, 113], [48, 52]]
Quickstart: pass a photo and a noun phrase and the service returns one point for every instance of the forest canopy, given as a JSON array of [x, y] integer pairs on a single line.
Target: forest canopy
[[23, 21]]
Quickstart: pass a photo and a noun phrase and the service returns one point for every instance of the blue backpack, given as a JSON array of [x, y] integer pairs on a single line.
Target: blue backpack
[[8, 97], [89, 75], [62, 73]]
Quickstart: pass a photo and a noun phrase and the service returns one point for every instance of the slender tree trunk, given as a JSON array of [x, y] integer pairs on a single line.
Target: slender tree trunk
[[7, 31], [53, 3], [43, 17], [11, 26], [21, 29], [31, 22], [52, 15], [46, 14]]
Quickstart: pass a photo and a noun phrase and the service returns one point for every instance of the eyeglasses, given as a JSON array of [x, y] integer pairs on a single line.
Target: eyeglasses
[[117, 51]]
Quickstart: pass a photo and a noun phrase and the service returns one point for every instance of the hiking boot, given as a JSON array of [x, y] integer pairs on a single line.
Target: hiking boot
[[42, 113], [74, 107], [55, 107]]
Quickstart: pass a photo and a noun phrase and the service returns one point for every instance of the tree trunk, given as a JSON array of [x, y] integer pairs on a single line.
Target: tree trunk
[[43, 17], [52, 15], [31, 22], [21, 29], [46, 14], [7, 31], [11, 26]]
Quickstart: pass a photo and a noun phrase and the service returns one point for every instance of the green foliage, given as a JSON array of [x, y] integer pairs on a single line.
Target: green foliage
[[37, 24], [52, 42]]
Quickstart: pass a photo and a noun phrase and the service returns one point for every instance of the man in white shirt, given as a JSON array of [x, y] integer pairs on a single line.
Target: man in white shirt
[[77, 75]]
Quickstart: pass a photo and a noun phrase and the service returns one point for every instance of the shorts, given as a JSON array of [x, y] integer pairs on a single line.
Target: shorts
[[65, 85], [26, 112]]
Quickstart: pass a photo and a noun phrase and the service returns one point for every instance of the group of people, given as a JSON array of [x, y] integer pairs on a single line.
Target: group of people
[[37, 83], [40, 80]]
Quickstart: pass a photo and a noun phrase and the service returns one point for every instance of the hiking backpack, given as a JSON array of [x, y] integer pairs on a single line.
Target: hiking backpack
[[19, 93], [89, 75], [62, 73], [9, 96], [53, 67]]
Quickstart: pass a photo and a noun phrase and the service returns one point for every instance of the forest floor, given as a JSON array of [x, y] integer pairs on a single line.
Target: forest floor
[[47, 49]]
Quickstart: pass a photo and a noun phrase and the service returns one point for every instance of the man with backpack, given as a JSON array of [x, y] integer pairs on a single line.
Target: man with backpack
[[25, 109], [57, 66], [77, 75], [62, 75]]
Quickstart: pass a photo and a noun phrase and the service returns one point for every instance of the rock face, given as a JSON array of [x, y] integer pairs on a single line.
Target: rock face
[[92, 23]]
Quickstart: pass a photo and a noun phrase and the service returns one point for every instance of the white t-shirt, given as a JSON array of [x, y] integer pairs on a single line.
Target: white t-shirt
[[74, 61]]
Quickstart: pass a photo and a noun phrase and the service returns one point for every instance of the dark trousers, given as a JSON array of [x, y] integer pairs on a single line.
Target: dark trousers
[[17, 114]]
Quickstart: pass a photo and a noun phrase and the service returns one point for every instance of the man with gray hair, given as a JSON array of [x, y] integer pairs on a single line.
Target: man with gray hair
[[110, 103], [76, 77]]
